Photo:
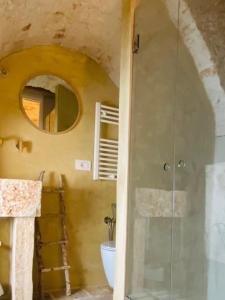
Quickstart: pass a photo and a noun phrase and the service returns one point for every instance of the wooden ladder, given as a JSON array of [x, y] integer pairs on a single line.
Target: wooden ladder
[[62, 243]]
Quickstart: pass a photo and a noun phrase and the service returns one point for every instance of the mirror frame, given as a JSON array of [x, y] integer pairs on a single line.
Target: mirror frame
[[24, 83]]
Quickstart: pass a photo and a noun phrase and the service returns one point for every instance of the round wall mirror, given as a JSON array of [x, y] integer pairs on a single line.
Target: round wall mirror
[[50, 104]]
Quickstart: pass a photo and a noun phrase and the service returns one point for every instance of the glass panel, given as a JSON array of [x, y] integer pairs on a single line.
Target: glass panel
[[178, 254], [198, 264], [152, 154]]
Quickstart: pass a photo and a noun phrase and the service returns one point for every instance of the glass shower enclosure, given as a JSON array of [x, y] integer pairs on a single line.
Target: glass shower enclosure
[[176, 213]]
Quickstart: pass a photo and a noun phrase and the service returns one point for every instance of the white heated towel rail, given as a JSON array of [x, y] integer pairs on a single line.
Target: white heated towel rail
[[105, 150]]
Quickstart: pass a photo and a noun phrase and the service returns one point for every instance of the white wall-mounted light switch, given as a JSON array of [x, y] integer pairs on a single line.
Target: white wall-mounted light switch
[[83, 165]]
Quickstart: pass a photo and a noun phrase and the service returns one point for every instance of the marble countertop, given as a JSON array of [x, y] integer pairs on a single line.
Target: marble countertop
[[20, 198]]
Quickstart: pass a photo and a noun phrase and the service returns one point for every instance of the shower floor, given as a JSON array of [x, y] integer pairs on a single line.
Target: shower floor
[[86, 294], [157, 295]]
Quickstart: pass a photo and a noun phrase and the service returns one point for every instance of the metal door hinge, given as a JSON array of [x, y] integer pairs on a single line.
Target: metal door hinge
[[136, 43]]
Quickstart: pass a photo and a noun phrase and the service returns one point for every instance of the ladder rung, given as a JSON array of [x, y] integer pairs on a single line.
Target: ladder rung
[[45, 270], [53, 215], [59, 192], [52, 190], [53, 243]]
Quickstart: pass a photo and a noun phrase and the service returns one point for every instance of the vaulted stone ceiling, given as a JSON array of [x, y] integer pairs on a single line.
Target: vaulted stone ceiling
[[94, 26], [89, 26], [201, 25], [209, 16]]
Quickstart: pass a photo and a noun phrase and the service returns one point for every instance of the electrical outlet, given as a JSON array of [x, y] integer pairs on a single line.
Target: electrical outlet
[[83, 165]]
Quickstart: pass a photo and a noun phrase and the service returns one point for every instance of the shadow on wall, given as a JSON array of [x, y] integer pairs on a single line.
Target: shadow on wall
[[5, 251]]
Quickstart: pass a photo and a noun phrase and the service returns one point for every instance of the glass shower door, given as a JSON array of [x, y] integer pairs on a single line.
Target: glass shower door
[[176, 221], [151, 184], [198, 255], [194, 139]]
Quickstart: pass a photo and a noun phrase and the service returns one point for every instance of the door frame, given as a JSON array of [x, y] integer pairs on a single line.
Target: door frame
[[126, 64]]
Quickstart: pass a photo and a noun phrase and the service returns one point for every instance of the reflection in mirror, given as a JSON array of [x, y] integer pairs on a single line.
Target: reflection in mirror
[[50, 103]]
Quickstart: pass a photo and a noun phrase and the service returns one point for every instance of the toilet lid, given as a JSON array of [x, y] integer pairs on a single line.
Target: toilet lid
[[110, 246]]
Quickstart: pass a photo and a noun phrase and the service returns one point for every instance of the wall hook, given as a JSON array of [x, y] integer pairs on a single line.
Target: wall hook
[[3, 72], [20, 145]]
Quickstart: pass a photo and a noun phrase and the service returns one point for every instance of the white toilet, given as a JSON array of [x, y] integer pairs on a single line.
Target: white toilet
[[108, 252], [1, 290]]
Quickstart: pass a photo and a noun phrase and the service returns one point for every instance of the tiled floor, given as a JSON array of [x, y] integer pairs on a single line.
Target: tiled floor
[[91, 294]]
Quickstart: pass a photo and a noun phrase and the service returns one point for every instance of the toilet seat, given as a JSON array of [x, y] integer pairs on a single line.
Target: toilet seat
[[109, 246]]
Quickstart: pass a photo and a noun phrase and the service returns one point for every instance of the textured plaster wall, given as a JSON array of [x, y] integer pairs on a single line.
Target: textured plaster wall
[[89, 26], [87, 201], [210, 19]]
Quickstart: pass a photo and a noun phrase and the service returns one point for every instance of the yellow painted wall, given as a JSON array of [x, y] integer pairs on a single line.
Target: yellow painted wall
[[87, 201]]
